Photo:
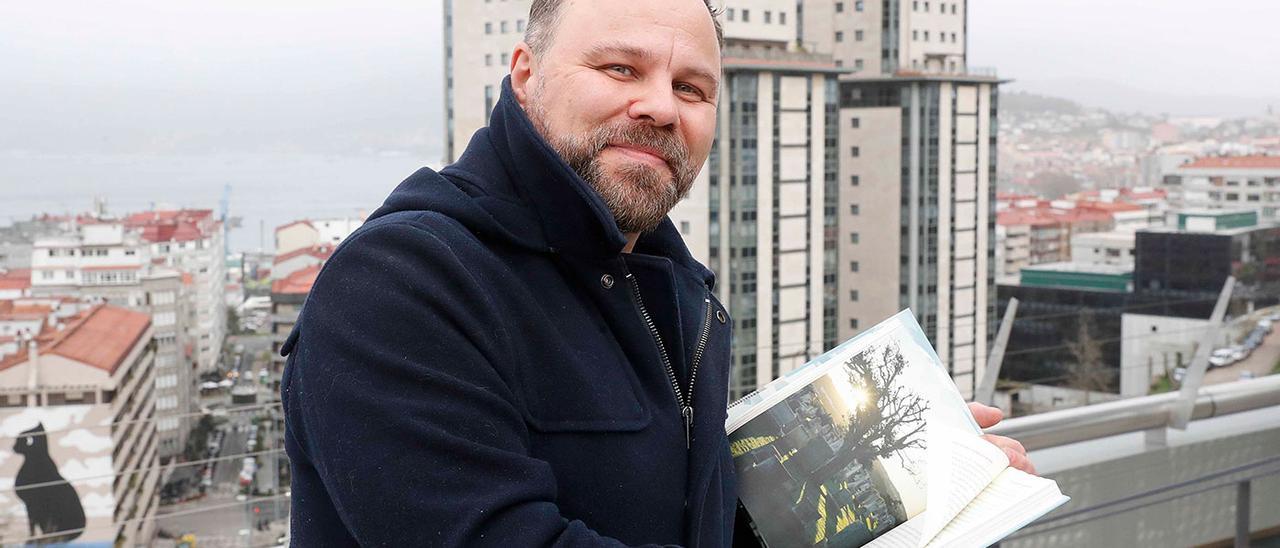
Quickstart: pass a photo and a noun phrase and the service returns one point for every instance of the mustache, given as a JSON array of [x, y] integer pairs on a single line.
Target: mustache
[[664, 142]]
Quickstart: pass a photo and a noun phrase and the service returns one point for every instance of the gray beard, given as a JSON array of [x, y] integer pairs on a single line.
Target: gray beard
[[638, 195]]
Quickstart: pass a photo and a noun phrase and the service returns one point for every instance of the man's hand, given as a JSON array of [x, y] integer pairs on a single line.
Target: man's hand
[[987, 417]]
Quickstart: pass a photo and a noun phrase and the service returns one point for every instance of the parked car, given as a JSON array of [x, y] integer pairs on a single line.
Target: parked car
[[1219, 361]]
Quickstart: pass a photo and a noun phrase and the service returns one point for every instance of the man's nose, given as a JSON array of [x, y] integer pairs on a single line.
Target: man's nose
[[656, 104]]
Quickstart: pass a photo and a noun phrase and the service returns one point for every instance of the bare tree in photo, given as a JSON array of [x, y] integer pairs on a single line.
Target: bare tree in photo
[[891, 417]]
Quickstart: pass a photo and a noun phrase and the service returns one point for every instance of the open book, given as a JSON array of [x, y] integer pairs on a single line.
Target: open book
[[871, 444]]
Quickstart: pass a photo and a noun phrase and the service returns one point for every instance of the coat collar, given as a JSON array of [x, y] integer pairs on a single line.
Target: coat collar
[[510, 159]]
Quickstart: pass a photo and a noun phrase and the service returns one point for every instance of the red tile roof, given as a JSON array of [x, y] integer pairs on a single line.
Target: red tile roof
[[295, 223], [101, 337], [11, 311], [1235, 162], [18, 278], [297, 283], [182, 225], [321, 252]]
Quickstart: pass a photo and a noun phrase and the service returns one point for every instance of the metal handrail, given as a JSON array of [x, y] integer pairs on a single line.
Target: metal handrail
[[1139, 414]]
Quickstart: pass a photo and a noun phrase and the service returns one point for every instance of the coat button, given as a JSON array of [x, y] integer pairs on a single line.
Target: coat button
[[720, 316], [607, 281]]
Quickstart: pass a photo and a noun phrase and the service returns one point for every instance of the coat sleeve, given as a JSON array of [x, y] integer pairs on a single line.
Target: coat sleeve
[[393, 398]]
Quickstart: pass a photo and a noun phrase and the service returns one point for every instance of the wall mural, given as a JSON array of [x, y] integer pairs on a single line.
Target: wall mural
[[56, 475]]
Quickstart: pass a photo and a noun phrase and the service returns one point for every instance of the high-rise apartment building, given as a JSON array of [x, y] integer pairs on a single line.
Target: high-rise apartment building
[[168, 264], [852, 176], [772, 209], [917, 134]]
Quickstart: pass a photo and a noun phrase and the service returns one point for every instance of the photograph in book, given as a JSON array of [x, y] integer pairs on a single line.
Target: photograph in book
[[840, 461]]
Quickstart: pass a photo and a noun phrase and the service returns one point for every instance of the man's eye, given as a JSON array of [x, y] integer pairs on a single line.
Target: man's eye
[[620, 69], [686, 88]]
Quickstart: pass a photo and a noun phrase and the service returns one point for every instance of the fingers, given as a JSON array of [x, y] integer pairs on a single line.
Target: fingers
[[1014, 450], [986, 415]]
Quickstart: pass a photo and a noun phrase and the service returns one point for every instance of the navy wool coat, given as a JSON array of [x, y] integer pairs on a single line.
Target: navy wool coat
[[480, 365]]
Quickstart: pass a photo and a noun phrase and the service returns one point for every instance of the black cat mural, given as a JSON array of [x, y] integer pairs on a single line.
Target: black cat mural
[[52, 508]]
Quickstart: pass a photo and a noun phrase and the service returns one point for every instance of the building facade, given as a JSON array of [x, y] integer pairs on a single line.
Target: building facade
[[80, 394], [917, 210], [105, 260], [1251, 182]]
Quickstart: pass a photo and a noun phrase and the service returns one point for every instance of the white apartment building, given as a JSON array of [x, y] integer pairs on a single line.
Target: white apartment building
[[1113, 248], [80, 394], [889, 36], [309, 233], [1229, 182], [109, 261]]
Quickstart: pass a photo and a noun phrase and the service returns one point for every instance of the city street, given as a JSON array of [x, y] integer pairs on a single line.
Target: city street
[[1260, 363]]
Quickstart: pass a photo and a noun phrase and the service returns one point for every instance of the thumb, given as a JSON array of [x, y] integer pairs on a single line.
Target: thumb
[[986, 415]]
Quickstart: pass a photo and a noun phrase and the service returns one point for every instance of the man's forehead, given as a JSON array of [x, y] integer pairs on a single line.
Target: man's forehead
[[689, 20]]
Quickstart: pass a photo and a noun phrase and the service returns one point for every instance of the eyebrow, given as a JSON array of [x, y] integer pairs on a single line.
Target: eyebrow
[[626, 50]]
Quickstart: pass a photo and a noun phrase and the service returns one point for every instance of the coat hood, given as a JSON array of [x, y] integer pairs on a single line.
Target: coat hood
[[511, 186]]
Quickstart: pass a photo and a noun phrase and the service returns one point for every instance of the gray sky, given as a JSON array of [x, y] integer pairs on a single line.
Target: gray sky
[[339, 75], [1190, 54]]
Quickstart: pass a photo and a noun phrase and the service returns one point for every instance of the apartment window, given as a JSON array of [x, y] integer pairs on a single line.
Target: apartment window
[[855, 180], [506, 59], [839, 36], [857, 6], [46, 275], [953, 9], [857, 64], [855, 151], [926, 7], [488, 59], [854, 209], [746, 16], [853, 266], [504, 27], [768, 17], [729, 14], [853, 323], [953, 38], [519, 25], [839, 7], [915, 35], [684, 227], [839, 63], [853, 294], [853, 237], [926, 36], [488, 103], [915, 6], [488, 28], [782, 18], [857, 36], [855, 122]]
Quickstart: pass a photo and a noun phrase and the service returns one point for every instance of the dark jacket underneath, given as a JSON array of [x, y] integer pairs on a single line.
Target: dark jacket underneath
[[472, 368]]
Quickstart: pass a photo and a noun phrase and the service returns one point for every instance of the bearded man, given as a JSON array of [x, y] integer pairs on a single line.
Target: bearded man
[[519, 350]]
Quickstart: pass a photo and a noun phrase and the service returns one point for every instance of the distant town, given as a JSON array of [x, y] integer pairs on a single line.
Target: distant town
[[140, 354]]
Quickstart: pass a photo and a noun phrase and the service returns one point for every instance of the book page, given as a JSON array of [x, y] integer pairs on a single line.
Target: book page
[[1011, 501], [961, 465]]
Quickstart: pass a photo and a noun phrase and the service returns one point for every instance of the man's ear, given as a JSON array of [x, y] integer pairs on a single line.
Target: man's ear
[[521, 72]]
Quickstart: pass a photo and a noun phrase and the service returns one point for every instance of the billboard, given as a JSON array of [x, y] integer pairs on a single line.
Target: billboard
[[56, 475]]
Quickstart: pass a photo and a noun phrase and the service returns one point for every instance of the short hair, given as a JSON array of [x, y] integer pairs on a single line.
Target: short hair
[[544, 17]]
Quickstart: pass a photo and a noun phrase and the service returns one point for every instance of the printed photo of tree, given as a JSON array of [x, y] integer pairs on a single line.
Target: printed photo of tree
[[839, 462]]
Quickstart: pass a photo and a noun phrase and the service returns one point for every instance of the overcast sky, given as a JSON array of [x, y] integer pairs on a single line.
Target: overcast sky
[[179, 73]]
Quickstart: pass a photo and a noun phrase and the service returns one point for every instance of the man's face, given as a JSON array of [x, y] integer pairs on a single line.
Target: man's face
[[626, 94]]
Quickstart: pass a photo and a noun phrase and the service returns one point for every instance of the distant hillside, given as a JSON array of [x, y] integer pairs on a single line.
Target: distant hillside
[[1021, 101]]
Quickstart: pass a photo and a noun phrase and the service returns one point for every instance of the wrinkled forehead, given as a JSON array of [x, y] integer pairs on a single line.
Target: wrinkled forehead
[[680, 30]]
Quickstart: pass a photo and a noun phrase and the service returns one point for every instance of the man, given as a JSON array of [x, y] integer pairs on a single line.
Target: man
[[519, 350]]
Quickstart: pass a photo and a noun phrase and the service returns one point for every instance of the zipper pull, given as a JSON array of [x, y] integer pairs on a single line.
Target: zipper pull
[[687, 413]]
